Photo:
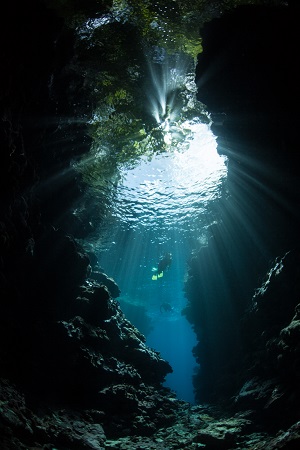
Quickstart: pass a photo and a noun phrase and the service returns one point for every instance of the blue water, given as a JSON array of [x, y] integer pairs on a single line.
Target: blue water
[[163, 206], [175, 339], [130, 262]]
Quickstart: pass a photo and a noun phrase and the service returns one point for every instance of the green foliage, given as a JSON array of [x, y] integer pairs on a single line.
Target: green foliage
[[169, 25], [113, 43]]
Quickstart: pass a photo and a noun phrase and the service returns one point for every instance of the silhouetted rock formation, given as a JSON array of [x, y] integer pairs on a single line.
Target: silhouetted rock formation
[[246, 77], [65, 343], [75, 373]]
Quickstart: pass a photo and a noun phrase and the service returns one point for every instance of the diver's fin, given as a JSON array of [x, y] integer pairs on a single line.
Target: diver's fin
[[160, 275], [154, 277]]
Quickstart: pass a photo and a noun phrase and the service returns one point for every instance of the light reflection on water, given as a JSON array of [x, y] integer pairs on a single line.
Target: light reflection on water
[[173, 189]]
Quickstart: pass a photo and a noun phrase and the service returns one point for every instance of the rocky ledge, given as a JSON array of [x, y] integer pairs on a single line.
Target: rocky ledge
[[191, 427]]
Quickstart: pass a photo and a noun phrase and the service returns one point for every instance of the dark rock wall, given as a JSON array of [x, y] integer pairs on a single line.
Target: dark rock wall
[[269, 371], [248, 77], [64, 341]]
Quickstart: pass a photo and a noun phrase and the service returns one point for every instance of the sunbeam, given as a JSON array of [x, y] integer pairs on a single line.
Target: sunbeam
[[167, 78], [160, 206]]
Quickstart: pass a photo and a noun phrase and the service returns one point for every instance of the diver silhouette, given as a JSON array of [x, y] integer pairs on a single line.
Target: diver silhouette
[[166, 307], [163, 264]]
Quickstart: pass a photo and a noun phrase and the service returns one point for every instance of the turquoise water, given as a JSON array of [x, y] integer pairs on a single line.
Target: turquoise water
[[130, 263], [175, 339], [163, 206]]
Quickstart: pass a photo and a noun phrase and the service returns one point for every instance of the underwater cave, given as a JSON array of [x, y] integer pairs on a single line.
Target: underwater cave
[[150, 259]]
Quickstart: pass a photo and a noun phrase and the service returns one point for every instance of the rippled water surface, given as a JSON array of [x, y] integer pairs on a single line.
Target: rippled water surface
[[173, 189]]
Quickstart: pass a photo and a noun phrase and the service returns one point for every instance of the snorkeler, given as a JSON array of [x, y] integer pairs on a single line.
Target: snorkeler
[[163, 264]]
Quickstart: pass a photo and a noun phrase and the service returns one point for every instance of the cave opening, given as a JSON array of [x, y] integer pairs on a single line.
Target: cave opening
[[154, 164], [149, 222], [164, 205]]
